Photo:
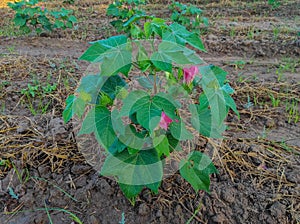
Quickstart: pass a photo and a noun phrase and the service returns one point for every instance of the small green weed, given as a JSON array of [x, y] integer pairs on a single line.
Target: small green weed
[[275, 101], [238, 64], [292, 109], [37, 93]]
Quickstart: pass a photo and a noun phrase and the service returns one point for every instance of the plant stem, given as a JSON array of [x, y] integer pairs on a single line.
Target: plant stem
[[154, 84]]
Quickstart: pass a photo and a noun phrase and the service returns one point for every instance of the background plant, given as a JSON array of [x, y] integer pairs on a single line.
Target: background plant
[[30, 15], [168, 74], [188, 15], [123, 10]]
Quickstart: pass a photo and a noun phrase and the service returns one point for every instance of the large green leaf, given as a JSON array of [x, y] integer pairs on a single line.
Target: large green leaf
[[180, 35], [172, 53], [98, 121], [134, 139], [113, 85], [196, 170], [134, 171], [215, 95], [228, 100], [115, 53], [20, 20], [91, 85], [148, 110], [161, 144], [214, 72], [130, 100], [142, 57], [202, 121], [147, 114], [166, 103], [230, 103], [179, 131], [74, 106], [155, 26]]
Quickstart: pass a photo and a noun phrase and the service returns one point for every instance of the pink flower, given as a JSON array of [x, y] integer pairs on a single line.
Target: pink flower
[[165, 121], [42, 8], [189, 74]]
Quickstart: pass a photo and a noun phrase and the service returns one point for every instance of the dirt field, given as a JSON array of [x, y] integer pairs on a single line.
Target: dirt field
[[43, 174]]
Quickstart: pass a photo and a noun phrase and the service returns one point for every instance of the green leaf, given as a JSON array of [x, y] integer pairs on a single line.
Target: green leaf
[[135, 18], [180, 35], [74, 106], [115, 53], [166, 103], [215, 95], [228, 89], [112, 10], [116, 147], [202, 121], [146, 82], [20, 20], [131, 191], [95, 84], [113, 85], [214, 72], [174, 143], [170, 52], [148, 110], [133, 139], [134, 171], [147, 114], [69, 25], [156, 26], [230, 103], [161, 144], [98, 121], [203, 101], [58, 24], [179, 131], [91, 85], [72, 19], [142, 58], [196, 170], [130, 100]]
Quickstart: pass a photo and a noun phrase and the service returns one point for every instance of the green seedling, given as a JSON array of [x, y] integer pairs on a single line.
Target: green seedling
[[292, 108], [275, 102], [249, 104], [238, 64], [232, 32], [285, 146], [6, 163], [276, 32]]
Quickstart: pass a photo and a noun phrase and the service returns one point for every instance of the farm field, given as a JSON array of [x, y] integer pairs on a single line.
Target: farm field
[[45, 178]]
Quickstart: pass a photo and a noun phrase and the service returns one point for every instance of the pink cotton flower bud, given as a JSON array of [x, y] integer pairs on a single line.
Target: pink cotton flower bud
[[165, 121], [189, 74]]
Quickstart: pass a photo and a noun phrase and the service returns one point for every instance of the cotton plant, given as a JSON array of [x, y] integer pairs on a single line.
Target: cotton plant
[[148, 104]]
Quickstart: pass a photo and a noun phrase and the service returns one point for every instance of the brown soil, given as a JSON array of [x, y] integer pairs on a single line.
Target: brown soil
[[258, 160]]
